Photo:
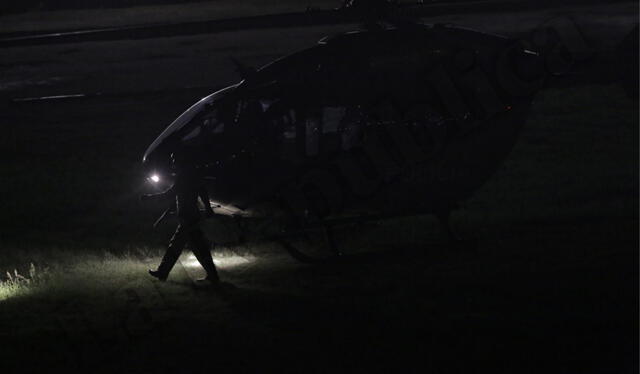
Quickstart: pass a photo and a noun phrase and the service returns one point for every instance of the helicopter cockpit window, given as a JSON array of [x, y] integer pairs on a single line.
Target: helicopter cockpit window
[[192, 135], [249, 112], [212, 124], [265, 104], [206, 126]]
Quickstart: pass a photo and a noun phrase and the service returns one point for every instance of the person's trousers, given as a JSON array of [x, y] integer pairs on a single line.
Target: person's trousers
[[199, 246]]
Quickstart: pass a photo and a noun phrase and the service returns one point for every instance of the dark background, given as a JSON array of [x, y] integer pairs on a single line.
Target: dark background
[[553, 286]]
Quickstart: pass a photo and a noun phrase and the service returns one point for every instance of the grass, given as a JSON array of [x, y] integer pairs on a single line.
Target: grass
[[13, 287], [553, 286]]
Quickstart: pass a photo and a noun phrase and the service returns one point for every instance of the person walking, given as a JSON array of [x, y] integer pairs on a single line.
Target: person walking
[[188, 186]]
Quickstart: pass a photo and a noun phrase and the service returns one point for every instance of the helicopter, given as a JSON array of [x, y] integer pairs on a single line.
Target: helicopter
[[385, 121]]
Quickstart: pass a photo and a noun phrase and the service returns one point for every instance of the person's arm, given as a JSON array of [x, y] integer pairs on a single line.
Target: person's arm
[[162, 196], [171, 209], [204, 196]]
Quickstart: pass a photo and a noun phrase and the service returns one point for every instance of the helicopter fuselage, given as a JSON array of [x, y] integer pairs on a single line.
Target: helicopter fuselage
[[392, 121]]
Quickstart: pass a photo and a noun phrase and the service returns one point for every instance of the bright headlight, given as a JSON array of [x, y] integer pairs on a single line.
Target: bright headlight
[[155, 178]]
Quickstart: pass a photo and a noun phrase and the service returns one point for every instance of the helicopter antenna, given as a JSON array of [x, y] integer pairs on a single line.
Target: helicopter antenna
[[243, 70]]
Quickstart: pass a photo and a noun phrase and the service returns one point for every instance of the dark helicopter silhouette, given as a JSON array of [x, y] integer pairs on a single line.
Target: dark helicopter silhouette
[[388, 121]]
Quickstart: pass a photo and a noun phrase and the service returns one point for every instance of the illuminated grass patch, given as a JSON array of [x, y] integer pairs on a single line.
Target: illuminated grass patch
[[9, 289], [17, 284]]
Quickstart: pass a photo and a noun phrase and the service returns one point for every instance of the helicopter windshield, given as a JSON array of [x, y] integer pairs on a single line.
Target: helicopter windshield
[[186, 128]]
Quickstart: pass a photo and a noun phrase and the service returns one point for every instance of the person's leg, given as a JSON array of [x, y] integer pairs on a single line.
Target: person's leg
[[174, 249], [200, 248]]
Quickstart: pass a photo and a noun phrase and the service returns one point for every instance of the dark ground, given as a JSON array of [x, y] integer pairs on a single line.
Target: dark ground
[[553, 287]]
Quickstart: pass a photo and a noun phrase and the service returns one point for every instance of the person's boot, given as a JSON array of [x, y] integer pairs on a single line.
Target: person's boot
[[209, 279], [158, 274]]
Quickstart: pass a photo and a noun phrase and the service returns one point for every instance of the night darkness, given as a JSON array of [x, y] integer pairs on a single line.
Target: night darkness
[[321, 186]]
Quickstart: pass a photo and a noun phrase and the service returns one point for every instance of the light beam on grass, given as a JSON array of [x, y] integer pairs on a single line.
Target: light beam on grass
[[221, 261]]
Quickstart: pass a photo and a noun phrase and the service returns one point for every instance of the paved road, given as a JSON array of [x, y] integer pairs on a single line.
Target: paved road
[[203, 61], [283, 20]]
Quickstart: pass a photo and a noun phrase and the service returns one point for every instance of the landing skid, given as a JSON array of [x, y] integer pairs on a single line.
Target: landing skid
[[326, 248], [321, 241], [315, 242]]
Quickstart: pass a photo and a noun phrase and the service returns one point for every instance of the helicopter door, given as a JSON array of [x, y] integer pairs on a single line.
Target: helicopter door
[[321, 135], [331, 120], [351, 129], [282, 128], [312, 131]]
